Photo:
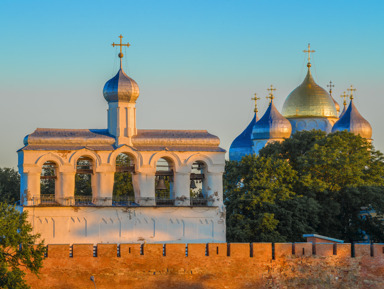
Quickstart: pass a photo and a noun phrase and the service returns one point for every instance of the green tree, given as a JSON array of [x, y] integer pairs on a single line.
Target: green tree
[[47, 183], [9, 185], [18, 248], [337, 176], [253, 188], [123, 186]]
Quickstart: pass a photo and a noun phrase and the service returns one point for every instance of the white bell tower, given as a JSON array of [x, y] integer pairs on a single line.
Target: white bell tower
[[121, 92]]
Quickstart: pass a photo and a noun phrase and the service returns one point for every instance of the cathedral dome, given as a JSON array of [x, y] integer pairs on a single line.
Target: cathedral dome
[[344, 110], [121, 88], [242, 145], [272, 125], [352, 121], [337, 106], [309, 100]]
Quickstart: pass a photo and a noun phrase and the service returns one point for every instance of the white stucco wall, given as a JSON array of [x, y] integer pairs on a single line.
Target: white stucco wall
[[68, 225]]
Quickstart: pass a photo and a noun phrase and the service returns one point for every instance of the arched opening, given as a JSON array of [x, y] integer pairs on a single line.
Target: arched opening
[[83, 181], [197, 185], [123, 192], [164, 183], [48, 183]]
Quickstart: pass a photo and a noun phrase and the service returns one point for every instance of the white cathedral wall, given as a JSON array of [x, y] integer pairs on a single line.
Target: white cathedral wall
[[68, 225]]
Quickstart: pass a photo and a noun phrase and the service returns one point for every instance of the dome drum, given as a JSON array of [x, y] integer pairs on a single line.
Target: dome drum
[[310, 123]]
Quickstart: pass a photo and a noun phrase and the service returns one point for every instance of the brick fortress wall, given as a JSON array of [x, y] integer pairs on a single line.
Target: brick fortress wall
[[235, 265]]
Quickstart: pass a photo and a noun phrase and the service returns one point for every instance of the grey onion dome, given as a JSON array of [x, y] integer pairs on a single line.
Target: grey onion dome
[[272, 125], [352, 121], [121, 88]]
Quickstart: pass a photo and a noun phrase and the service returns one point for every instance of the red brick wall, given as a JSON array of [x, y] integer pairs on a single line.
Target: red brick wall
[[198, 266]]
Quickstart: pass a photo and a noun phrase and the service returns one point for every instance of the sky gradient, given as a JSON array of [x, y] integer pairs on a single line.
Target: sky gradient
[[197, 63]]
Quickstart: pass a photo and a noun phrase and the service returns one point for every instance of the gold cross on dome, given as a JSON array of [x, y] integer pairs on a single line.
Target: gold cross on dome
[[344, 96], [309, 51], [270, 96], [271, 89], [351, 90], [330, 85], [121, 46], [255, 98]]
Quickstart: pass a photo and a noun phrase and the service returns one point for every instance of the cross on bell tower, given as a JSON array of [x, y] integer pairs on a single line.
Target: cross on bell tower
[[121, 45]]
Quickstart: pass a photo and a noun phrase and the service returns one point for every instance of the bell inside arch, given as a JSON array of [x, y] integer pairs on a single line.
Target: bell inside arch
[[161, 184], [193, 185]]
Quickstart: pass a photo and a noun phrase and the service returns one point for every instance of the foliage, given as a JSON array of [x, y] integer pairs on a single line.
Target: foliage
[[123, 180], [83, 185], [47, 186], [9, 185], [83, 181], [18, 248], [335, 176], [256, 185]]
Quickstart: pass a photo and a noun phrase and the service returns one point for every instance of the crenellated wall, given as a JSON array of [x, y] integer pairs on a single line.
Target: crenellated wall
[[212, 265]]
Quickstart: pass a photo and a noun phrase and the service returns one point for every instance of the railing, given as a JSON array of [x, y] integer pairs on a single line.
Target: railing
[[165, 202], [84, 201], [118, 201], [124, 201], [48, 200], [199, 202]]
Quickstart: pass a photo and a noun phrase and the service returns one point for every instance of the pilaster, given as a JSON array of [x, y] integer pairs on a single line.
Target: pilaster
[[66, 194], [182, 189], [214, 188]]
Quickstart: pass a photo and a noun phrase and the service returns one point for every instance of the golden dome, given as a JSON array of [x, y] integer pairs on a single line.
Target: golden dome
[[309, 100]]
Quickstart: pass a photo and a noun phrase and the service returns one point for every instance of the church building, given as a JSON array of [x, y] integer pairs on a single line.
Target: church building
[[174, 189], [307, 107]]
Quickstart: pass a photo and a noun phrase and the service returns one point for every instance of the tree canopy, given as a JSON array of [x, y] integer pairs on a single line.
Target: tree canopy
[[310, 183], [9, 185], [19, 248]]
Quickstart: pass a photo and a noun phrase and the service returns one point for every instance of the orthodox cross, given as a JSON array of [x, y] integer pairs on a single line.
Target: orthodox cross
[[255, 98], [344, 96], [351, 90], [121, 46], [309, 51], [271, 89], [330, 85]]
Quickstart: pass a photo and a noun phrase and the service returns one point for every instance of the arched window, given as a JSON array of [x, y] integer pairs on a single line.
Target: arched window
[[123, 192], [48, 183], [83, 181], [197, 186], [164, 183]]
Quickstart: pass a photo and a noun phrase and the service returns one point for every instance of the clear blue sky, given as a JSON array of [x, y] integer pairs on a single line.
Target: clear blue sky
[[197, 63]]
